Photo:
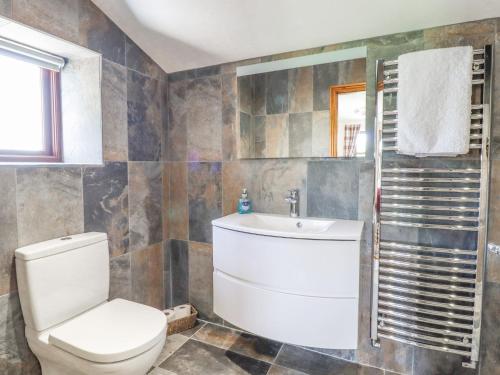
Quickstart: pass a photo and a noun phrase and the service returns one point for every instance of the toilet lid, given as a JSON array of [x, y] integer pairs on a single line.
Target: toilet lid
[[111, 332]]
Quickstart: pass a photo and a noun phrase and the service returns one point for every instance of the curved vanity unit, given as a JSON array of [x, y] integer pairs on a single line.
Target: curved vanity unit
[[294, 280]]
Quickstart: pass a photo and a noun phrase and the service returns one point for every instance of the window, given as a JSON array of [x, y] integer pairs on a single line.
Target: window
[[30, 110]]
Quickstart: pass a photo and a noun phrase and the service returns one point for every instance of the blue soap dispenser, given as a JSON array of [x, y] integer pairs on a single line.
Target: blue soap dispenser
[[244, 204]]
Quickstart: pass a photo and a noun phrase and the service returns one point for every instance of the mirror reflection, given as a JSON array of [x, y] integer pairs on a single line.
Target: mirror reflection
[[311, 111]]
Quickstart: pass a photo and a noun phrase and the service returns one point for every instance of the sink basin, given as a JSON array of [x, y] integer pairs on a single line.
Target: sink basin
[[285, 226]]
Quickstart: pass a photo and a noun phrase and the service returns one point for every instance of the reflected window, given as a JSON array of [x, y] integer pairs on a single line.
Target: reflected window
[[347, 115]]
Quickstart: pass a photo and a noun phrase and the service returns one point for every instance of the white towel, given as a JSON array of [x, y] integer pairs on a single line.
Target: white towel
[[434, 102]]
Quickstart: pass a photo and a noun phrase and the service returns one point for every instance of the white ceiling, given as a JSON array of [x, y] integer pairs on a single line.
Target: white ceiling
[[185, 34]]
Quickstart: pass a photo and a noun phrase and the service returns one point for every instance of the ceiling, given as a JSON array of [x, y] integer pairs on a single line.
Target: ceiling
[[186, 34]]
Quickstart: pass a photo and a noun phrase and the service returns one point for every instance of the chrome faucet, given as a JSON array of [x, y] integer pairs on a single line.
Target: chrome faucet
[[293, 199]]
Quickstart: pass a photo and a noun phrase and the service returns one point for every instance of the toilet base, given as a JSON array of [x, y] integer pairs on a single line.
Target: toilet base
[[55, 361]]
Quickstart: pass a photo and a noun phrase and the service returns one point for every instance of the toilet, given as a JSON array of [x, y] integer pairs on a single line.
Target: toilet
[[71, 326]]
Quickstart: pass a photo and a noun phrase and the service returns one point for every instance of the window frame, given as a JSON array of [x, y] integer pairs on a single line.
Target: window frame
[[51, 122]]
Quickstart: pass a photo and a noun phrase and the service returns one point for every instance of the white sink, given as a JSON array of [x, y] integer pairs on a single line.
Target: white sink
[[294, 280], [285, 226]]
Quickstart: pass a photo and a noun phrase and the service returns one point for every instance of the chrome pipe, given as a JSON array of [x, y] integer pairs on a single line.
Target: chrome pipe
[[431, 189], [429, 198], [397, 254], [441, 250], [420, 301], [395, 112], [462, 180], [428, 267], [426, 284], [445, 314], [426, 346], [413, 335], [420, 327], [472, 146], [431, 170], [451, 297], [428, 276], [445, 323], [405, 215], [429, 226], [430, 208]]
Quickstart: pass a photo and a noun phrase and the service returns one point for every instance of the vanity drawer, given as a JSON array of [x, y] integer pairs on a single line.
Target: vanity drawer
[[322, 268]]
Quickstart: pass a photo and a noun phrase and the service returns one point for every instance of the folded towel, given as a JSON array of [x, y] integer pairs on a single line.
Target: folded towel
[[434, 102]]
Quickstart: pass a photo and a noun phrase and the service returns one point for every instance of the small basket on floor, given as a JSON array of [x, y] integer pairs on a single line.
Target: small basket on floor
[[183, 324]]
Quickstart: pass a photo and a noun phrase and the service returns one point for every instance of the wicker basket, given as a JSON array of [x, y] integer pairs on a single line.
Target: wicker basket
[[183, 324]]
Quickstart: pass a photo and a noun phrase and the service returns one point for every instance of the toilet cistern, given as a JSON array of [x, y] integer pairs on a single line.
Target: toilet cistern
[[293, 199]]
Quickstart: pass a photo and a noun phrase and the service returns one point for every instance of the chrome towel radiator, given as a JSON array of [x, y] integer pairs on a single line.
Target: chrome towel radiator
[[429, 229]]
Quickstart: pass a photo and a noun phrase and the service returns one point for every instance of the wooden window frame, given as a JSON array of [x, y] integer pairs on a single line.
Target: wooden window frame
[[51, 122], [334, 93]]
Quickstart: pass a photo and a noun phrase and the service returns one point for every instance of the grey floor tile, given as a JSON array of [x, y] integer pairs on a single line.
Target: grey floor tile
[[198, 358], [318, 364], [217, 335], [256, 347], [192, 331]]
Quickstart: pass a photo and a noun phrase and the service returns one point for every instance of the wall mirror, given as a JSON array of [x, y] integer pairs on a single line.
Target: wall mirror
[[311, 106]]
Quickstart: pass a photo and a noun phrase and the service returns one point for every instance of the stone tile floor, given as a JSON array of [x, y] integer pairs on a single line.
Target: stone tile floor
[[210, 349]]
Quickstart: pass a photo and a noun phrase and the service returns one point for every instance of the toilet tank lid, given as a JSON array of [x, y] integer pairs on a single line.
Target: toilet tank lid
[[58, 245]]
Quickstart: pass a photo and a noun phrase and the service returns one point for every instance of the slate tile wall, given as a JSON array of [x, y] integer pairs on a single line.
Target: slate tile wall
[[329, 188], [123, 197]]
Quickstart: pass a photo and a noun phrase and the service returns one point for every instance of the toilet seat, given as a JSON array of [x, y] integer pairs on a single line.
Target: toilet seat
[[111, 332]]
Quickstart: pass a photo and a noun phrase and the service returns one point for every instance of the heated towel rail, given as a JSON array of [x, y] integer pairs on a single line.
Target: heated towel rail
[[429, 229]]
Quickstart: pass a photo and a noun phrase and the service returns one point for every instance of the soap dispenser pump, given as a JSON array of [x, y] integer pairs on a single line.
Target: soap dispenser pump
[[244, 204]]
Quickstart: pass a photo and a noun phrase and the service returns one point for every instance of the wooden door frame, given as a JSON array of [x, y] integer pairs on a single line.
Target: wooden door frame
[[334, 92]]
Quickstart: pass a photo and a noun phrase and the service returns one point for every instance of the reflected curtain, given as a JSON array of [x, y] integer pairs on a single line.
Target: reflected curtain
[[351, 132]]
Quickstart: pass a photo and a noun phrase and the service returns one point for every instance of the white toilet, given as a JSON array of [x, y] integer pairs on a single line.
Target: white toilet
[[71, 326]]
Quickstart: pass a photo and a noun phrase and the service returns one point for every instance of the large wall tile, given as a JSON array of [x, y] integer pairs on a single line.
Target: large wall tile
[[177, 121], [49, 203], [493, 261], [145, 204], [179, 273], [165, 197], [204, 119], [105, 197], [277, 92], [237, 175], [229, 107], [259, 101], [144, 117], [167, 274], [321, 133], [273, 181], [178, 217], [300, 132], [300, 90], [57, 17], [120, 277], [490, 344], [201, 279], [332, 189], [337, 73], [247, 136], [6, 8], [100, 34], [137, 60], [147, 276], [8, 230], [15, 355], [477, 34], [432, 362], [114, 111], [277, 129], [205, 199]]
